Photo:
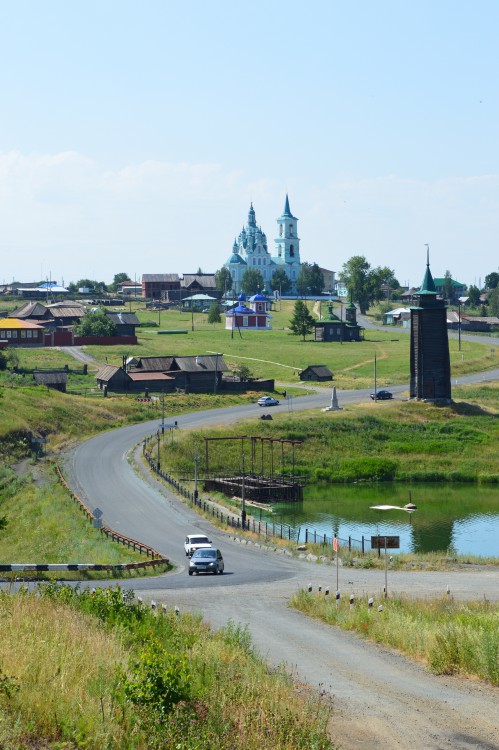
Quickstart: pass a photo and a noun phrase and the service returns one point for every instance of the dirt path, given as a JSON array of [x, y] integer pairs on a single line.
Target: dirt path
[[380, 700]]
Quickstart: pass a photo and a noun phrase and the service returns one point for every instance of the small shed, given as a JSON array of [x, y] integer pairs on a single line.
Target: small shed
[[125, 322], [112, 378], [55, 379], [316, 373]]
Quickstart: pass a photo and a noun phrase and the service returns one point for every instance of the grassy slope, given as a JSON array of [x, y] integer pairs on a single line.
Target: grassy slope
[[408, 440], [61, 654], [45, 526]]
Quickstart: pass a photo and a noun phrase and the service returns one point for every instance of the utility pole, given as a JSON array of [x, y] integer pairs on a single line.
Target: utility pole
[[162, 413], [158, 465], [196, 476], [243, 504]]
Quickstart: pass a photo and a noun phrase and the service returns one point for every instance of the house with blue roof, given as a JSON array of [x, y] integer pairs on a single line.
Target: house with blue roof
[[253, 316]]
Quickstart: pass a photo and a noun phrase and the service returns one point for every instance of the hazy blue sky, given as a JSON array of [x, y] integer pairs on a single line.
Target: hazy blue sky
[[133, 135]]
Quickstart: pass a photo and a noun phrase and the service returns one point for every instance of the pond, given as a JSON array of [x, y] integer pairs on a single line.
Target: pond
[[463, 518]]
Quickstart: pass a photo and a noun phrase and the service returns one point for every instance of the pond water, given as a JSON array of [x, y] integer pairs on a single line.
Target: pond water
[[463, 518]]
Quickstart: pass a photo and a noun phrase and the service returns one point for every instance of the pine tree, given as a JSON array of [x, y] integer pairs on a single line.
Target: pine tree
[[302, 322]]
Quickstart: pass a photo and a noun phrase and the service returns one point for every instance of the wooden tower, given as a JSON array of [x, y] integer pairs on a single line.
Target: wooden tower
[[430, 361]]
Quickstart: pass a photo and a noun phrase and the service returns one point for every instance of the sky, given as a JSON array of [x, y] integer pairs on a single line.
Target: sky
[[134, 135]]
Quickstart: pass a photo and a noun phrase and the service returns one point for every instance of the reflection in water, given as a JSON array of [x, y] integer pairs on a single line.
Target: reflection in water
[[464, 518]]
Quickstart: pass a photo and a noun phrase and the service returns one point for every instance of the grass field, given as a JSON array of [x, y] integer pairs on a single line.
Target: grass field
[[281, 355]]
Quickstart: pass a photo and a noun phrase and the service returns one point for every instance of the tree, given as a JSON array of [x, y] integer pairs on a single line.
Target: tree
[[214, 314], [280, 281], [363, 282], [95, 323], [223, 280], [252, 281], [474, 295], [243, 372], [302, 322], [493, 302], [96, 287], [310, 279], [492, 280], [448, 286], [118, 279]]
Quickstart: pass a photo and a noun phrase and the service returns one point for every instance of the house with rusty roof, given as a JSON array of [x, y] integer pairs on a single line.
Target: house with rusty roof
[[113, 378], [158, 285], [199, 374]]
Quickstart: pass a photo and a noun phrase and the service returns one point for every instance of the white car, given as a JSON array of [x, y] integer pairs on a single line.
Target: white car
[[268, 401], [194, 542]]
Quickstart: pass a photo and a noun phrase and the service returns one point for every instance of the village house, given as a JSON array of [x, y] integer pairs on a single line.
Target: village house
[[21, 332], [319, 373]]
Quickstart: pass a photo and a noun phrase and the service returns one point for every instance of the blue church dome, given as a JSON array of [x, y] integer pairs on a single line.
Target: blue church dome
[[242, 297], [236, 258]]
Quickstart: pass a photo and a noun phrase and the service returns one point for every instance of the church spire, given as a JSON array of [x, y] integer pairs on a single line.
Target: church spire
[[287, 211], [428, 285], [251, 216]]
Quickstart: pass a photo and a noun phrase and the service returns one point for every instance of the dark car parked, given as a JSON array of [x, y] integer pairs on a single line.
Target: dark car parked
[[381, 395]]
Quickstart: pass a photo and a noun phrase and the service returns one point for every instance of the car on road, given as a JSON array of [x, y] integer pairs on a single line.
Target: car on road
[[206, 561], [193, 542], [268, 401], [381, 395]]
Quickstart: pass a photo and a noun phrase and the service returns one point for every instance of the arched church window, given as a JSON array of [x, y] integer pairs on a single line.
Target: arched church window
[[291, 229], [280, 230], [292, 251]]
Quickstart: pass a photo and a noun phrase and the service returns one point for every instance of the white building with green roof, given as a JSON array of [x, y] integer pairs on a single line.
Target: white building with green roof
[[250, 250]]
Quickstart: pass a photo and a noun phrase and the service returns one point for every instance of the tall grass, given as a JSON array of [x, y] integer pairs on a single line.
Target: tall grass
[[450, 637], [94, 669]]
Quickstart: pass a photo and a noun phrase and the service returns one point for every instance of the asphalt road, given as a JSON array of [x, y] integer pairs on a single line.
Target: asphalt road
[[379, 698]]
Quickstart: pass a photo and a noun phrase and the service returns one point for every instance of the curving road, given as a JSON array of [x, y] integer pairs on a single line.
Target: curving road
[[380, 699]]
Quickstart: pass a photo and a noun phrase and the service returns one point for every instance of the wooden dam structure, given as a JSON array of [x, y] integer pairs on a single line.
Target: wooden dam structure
[[261, 476]]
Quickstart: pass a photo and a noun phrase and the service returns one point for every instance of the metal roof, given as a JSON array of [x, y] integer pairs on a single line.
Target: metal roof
[[11, 323], [148, 376], [123, 318], [151, 277], [210, 363], [153, 364]]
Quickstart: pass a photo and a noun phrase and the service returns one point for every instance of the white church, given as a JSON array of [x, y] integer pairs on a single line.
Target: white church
[[251, 251]]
